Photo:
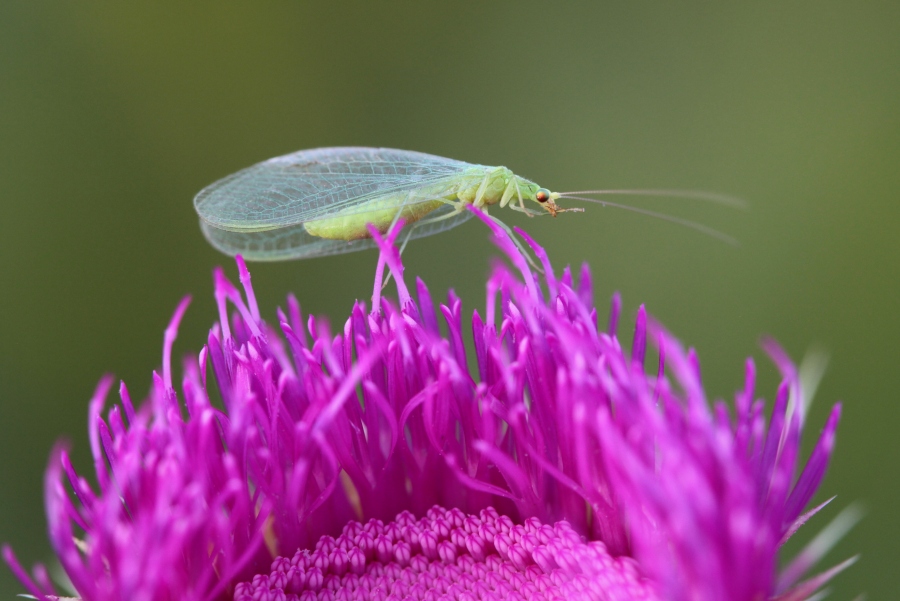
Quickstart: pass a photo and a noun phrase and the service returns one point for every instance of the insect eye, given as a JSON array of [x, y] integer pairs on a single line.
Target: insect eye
[[542, 195]]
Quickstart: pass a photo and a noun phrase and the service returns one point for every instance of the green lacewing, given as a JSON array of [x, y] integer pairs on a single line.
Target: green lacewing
[[318, 202]]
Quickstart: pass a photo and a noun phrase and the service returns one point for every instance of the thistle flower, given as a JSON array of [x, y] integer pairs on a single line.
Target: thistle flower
[[389, 461]]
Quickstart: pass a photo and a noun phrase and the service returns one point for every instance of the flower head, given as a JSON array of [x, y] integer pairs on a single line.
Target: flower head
[[389, 461]]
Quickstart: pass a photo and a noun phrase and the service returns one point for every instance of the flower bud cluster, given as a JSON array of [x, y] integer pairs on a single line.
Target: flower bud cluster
[[448, 555]]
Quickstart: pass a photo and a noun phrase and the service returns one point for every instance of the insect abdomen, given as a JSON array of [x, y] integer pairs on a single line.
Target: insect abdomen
[[380, 212]]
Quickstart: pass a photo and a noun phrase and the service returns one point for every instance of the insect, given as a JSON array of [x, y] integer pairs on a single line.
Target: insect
[[318, 202]]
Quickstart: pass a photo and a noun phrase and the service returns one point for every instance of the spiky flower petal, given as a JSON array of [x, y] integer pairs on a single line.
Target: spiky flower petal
[[376, 464]]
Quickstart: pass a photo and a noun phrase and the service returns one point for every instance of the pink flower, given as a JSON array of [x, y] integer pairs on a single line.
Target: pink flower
[[376, 464]]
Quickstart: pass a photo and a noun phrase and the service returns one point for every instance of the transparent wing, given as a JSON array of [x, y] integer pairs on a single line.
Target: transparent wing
[[293, 242], [313, 184]]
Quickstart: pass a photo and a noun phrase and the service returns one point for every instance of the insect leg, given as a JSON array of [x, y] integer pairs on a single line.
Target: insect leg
[[526, 210], [519, 245], [521, 202], [409, 233], [507, 193], [399, 211], [387, 279], [459, 208], [479, 195], [406, 240]]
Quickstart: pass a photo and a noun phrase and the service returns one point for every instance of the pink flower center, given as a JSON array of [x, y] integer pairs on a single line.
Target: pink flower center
[[450, 555]]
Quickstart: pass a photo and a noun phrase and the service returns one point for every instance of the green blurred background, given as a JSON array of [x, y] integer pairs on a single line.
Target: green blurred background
[[114, 114]]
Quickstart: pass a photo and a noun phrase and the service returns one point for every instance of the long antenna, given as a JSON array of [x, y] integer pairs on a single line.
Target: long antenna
[[677, 220], [722, 199]]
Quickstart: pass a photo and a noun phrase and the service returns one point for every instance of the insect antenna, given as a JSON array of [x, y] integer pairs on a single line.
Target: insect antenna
[[671, 219], [714, 197]]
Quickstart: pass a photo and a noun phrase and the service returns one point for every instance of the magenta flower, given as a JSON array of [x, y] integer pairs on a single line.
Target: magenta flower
[[375, 463]]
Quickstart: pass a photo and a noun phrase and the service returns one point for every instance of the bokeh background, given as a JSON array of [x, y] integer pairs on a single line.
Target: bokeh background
[[114, 114]]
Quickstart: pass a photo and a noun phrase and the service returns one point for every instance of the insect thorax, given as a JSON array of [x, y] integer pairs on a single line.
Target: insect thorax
[[494, 179]]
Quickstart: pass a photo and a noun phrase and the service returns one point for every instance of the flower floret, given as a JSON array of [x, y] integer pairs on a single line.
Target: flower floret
[[388, 460]]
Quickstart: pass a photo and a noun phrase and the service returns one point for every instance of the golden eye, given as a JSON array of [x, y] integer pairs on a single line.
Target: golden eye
[[542, 195]]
